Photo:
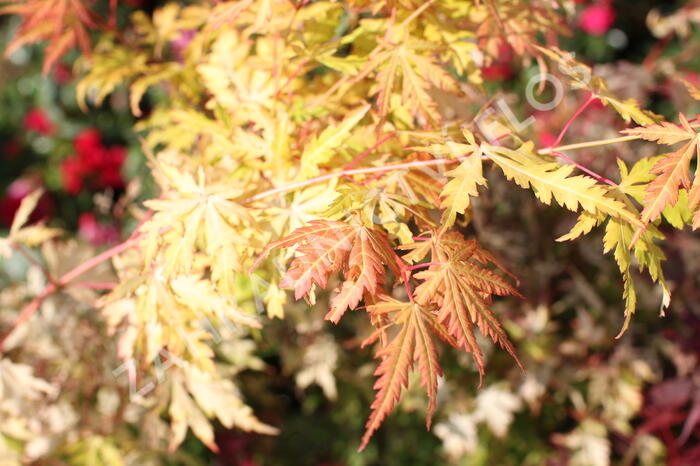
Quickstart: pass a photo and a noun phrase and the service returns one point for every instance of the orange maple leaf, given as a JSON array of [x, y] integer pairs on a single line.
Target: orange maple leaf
[[325, 247], [63, 24], [462, 286], [413, 342], [673, 170]]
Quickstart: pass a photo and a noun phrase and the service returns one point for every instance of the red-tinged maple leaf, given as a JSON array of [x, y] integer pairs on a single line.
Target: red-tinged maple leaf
[[462, 287], [326, 247], [412, 343], [673, 170], [452, 242], [63, 24], [363, 276]]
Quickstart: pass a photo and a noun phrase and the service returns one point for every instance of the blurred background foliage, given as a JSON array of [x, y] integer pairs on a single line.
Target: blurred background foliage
[[586, 399]]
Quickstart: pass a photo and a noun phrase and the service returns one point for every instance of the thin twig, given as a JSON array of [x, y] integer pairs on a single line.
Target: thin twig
[[356, 171], [96, 285], [404, 276], [357, 159], [18, 247], [291, 77], [64, 280], [425, 264], [584, 169], [656, 51], [573, 118], [98, 259], [145, 218], [586, 145]]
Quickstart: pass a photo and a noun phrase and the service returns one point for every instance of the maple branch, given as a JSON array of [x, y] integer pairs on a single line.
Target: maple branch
[[64, 280], [98, 259], [595, 175], [425, 264], [573, 118], [656, 51], [371, 178], [18, 247], [368, 151], [404, 277], [356, 171], [362, 156], [291, 77], [96, 285], [586, 145], [415, 14], [145, 218]]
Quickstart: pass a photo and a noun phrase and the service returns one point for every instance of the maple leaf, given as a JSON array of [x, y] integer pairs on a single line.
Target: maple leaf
[[195, 395], [111, 66], [304, 206], [413, 342], [233, 85], [582, 78], [515, 24], [496, 406], [673, 170], [459, 435], [462, 287], [693, 90], [363, 276], [419, 187], [456, 193], [20, 232], [194, 216], [61, 23], [325, 247], [620, 238], [549, 179], [322, 148], [465, 178], [376, 205], [397, 59], [426, 184], [418, 74], [318, 364], [452, 298], [174, 315]]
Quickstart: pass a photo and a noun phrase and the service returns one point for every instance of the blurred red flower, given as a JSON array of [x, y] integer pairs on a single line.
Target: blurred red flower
[[500, 69], [36, 120], [72, 173], [93, 166], [497, 72], [597, 19], [87, 141], [111, 163]]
